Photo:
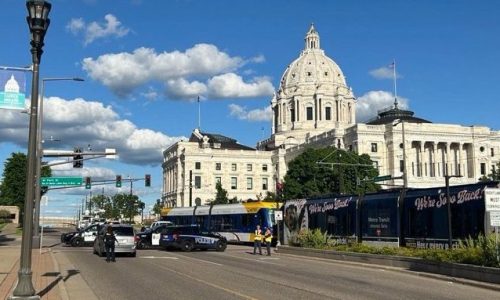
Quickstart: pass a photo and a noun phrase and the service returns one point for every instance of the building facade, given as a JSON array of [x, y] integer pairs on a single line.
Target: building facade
[[314, 107]]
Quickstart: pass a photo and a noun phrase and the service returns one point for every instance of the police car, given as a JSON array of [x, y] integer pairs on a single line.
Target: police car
[[84, 237], [150, 237], [190, 237]]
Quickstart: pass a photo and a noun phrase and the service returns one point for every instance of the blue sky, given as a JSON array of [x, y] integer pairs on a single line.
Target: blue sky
[[145, 62]]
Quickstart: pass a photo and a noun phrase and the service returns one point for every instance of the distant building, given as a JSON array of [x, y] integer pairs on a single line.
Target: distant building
[[314, 107], [14, 213]]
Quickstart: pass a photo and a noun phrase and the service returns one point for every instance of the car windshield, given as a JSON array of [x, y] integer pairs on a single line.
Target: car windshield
[[123, 231]]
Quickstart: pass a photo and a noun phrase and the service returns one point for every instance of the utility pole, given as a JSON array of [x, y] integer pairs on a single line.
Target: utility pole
[[190, 188], [448, 205]]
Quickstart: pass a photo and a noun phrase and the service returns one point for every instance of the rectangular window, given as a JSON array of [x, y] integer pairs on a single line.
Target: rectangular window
[[218, 180], [483, 169], [264, 184], [234, 183], [292, 115], [197, 182], [328, 113], [375, 164], [197, 165], [249, 167], [218, 166], [249, 183], [309, 113], [401, 166], [374, 147], [492, 152], [233, 167]]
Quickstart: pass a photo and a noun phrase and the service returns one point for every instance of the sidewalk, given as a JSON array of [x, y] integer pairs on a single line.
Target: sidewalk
[[54, 278]]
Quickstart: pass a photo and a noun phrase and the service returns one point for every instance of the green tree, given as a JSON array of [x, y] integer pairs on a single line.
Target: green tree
[[12, 190], [324, 171], [495, 173], [126, 205], [157, 207], [221, 195]]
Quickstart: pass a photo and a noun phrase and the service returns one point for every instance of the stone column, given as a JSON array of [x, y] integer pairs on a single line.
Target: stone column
[[448, 164], [460, 163]]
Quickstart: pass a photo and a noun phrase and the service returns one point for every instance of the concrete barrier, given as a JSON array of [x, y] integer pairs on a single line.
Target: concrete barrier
[[478, 273]]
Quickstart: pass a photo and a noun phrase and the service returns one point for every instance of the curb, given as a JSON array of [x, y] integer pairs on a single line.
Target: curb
[[62, 287]]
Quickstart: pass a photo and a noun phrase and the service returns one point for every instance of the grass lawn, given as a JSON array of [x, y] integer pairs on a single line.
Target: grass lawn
[[2, 225]]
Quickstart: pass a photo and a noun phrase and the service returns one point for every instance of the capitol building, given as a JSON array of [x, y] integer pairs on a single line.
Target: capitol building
[[314, 107]]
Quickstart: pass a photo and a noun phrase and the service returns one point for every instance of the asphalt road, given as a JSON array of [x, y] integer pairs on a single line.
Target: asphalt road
[[237, 274]]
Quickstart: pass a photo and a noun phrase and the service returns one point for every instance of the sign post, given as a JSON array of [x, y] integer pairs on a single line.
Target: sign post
[[492, 205]]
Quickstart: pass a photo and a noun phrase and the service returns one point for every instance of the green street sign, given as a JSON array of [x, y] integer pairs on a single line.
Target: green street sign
[[382, 178], [54, 181]]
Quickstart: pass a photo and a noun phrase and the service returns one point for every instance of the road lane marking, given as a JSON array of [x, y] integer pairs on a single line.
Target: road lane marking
[[253, 259], [210, 284], [202, 260], [164, 257]]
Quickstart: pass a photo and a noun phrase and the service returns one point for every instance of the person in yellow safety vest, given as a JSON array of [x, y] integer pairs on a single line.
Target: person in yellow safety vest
[[268, 238], [257, 240]]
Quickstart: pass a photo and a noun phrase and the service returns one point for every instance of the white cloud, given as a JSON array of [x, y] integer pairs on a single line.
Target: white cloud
[[79, 122], [124, 72], [255, 115], [258, 59], [93, 30], [182, 89], [371, 102], [232, 85], [384, 73]]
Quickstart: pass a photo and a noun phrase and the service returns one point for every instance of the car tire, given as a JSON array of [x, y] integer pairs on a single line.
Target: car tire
[[187, 246], [140, 245], [220, 246], [77, 242]]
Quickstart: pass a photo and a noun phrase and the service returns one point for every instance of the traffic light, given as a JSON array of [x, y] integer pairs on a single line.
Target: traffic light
[[147, 180], [118, 180], [77, 158], [88, 183]]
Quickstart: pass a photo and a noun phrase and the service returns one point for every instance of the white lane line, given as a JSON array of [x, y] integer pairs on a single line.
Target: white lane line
[[236, 293], [164, 257], [252, 259], [205, 261]]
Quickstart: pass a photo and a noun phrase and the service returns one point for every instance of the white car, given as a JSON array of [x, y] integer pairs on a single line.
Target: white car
[[155, 224]]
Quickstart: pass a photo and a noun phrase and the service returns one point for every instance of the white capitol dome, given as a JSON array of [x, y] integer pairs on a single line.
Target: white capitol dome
[[312, 68], [12, 86]]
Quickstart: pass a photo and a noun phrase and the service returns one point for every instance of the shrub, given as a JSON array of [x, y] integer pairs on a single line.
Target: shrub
[[311, 239]]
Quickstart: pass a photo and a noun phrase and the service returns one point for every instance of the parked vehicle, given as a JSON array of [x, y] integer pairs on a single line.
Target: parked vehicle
[[150, 237], [189, 237], [157, 223], [83, 237], [125, 239], [236, 222]]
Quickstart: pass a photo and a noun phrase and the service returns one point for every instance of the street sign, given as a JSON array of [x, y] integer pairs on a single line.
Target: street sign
[[53, 181], [382, 178], [492, 199], [278, 215], [495, 218]]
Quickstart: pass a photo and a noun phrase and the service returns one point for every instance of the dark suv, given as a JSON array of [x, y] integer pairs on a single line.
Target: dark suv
[[190, 237]]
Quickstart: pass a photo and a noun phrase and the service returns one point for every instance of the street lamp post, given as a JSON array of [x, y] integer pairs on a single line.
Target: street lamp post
[[39, 157], [405, 185], [448, 205], [38, 21]]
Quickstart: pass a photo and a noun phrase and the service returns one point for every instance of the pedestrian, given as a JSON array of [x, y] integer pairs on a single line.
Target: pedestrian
[[109, 244], [257, 240], [268, 238]]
